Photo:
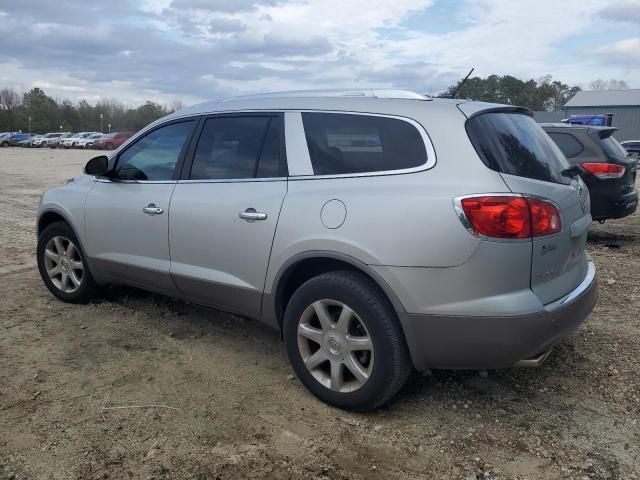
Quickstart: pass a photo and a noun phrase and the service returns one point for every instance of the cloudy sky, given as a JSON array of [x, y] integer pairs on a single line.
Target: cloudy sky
[[137, 50]]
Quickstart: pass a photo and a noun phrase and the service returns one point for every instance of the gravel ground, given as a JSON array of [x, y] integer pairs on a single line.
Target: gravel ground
[[73, 378]]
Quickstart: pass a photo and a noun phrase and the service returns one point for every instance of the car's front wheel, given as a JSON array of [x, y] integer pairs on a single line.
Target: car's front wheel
[[63, 266], [344, 341]]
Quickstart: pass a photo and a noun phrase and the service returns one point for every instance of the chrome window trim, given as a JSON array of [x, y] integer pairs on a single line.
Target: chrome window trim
[[430, 150], [457, 205], [107, 180], [235, 180]]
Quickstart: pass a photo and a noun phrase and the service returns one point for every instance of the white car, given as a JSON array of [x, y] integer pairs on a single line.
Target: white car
[[44, 140], [73, 140], [87, 142]]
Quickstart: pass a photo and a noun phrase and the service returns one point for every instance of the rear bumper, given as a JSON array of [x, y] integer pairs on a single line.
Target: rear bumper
[[606, 205], [474, 342]]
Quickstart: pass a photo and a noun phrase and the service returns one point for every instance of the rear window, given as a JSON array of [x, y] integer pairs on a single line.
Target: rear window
[[612, 147], [346, 143], [513, 143]]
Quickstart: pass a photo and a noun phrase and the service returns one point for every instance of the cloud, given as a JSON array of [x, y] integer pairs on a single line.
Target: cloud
[[202, 49], [626, 52], [623, 11]]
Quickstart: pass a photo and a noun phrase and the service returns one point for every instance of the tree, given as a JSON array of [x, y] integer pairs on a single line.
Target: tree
[[543, 94], [611, 84], [9, 102]]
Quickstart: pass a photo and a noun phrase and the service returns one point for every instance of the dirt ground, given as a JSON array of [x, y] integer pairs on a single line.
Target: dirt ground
[[73, 378]]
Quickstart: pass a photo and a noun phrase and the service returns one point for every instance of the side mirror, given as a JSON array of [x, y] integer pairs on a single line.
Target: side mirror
[[97, 166]]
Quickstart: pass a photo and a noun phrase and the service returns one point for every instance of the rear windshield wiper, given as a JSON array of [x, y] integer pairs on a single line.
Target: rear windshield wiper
[[572, 172]]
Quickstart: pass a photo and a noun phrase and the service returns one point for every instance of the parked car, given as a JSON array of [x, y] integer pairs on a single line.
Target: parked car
[[16, 138], [87, 142], [46, 139], [4, 139], [633, 147], [29, 141], [54, 142], [369, 252], [605, 166], [72, 141], [111, 141]]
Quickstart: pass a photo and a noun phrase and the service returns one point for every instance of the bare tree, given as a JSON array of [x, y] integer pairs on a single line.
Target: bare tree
[[9, 101], [176, 105], [611, 84]]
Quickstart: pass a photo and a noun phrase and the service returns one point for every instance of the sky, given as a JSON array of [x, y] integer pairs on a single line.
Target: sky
[[195, 50]]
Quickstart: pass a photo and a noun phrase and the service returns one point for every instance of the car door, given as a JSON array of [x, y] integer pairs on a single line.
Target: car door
[[225, 210], [127, 212]]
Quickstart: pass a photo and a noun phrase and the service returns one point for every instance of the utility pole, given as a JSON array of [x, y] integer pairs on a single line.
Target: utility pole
[[109, 125], [29, 124], [101, 131]]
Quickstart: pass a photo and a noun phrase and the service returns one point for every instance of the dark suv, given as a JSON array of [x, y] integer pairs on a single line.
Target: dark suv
[[605, 166]]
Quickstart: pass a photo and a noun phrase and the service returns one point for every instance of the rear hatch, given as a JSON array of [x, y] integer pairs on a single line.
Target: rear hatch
[[510, 142]]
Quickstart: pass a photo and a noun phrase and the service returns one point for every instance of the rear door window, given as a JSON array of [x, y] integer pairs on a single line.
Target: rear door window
[[570, 145], [238, 147], [346, 143], [513, 143]]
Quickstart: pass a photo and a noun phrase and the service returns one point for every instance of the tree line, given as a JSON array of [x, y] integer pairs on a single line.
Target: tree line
[[36, 112], [544, 94]]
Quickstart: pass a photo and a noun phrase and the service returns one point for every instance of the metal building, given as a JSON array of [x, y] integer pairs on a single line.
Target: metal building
[[624, 104]]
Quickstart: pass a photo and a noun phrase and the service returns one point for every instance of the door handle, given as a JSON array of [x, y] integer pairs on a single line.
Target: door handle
[[250, 215], [151, 209]]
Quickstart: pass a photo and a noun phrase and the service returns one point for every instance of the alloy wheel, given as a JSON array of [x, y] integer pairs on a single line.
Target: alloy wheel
[[63, 264], [335, 345]]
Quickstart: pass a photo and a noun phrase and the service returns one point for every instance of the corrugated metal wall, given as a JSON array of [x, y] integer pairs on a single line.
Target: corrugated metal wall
[[626, 119], [548, 117]]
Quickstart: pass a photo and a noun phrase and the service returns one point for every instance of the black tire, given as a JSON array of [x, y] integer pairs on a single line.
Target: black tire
[[5, 144], [88, 287], [109, 146], [392, 364]]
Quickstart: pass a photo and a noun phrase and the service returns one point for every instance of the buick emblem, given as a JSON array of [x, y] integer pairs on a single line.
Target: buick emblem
[[583, 200]]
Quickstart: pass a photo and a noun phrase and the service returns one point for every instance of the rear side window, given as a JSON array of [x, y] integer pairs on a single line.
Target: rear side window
[[346, 143], [515, 144], [613, 147], [570, 145], [237, 148]]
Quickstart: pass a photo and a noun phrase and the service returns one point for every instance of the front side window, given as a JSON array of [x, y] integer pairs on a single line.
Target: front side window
[[237, 148], [346, 143], [570, 146], [154, 156]]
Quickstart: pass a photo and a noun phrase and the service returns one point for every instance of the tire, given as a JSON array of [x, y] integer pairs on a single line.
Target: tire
[[67, 263], [109, 146], [387, 364], [5, 144]]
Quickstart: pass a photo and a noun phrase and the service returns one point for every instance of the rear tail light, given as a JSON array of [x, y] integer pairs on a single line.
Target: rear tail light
[[511, 217], [604, 170]]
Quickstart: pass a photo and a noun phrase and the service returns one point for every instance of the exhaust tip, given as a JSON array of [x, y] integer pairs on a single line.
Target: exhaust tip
[[533, 362]]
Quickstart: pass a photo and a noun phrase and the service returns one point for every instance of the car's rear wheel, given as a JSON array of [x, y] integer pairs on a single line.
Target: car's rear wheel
[[344, 341], [63, 266], [5, 144]]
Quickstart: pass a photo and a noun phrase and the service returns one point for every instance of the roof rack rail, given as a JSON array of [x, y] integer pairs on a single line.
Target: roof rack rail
[[364, 93]]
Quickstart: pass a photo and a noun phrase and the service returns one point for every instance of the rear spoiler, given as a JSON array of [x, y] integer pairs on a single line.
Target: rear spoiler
[[471, 109], [604, 132]]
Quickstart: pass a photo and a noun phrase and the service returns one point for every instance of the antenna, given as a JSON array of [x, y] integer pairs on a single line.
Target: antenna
[[455, 91]]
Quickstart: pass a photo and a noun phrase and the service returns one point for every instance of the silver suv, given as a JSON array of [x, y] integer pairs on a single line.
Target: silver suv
[[376, 230]]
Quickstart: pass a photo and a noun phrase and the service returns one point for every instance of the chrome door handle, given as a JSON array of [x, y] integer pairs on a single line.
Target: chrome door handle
[[250, 215], [151, 209]]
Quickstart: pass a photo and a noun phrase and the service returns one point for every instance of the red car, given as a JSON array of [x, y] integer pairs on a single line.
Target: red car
[[111, 141]]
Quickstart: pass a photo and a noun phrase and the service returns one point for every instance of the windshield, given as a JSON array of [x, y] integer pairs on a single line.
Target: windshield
[[513, 143]]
